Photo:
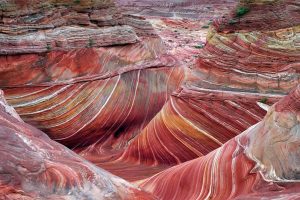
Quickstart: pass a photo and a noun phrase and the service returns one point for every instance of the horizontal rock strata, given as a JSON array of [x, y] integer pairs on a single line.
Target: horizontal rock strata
[[66, 25]]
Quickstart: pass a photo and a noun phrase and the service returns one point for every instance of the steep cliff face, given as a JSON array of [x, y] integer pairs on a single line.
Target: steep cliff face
[[35, 167]]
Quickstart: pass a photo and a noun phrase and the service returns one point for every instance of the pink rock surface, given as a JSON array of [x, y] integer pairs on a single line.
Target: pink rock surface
[[69, 103], [182, 25], [35, 167], [260, 163], [107, 86]]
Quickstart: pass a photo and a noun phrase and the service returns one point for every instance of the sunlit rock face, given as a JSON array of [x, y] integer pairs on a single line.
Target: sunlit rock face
[[262, 162], [35, 167]]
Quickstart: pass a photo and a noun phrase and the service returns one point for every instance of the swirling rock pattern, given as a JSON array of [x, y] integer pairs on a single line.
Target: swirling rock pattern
[[259, 58], [70, 90], [35, 167], [260, 163], [72, 106], [266, 62], [108, 89], [192, 124]]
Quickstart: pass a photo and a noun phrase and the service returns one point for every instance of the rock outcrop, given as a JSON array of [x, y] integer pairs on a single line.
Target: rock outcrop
[[255, 48], [262, 162], [35, 167], [42, 26], [104, 82]]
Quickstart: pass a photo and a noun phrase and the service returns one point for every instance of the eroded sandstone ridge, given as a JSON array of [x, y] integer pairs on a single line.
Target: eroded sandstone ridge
[[71, 86], [35, 167], [103, 84], [40, 26], [260, 163], [254, 48]]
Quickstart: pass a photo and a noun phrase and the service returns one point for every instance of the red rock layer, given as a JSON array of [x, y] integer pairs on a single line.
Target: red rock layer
[[258, 59], [262, 16], [35, 167], [80, 88], [112, 105], [70, 103], [260, 163], [191, 124], [43, 26], [86, 96]]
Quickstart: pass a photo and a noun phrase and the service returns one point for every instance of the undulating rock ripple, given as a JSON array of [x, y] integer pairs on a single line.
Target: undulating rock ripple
[[104, 85]]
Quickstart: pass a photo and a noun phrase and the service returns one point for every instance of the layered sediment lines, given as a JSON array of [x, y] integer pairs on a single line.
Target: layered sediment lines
[[103, 84], [192, 124], [35, 167], [71, 107], [258, 59], [66, 38], [102, 80], [44, 26], [88, 76], [260, 163]]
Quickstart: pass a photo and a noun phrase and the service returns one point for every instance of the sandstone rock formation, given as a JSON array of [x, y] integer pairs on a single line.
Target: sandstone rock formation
[[105, 85], [41, 26], [255, 56], [35, 167], [104, 94], [262, 162], [193, 123]]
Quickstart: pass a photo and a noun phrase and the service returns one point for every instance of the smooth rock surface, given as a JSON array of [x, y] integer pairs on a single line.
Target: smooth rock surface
[[104, 83], [260, 163], [35, 167]]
